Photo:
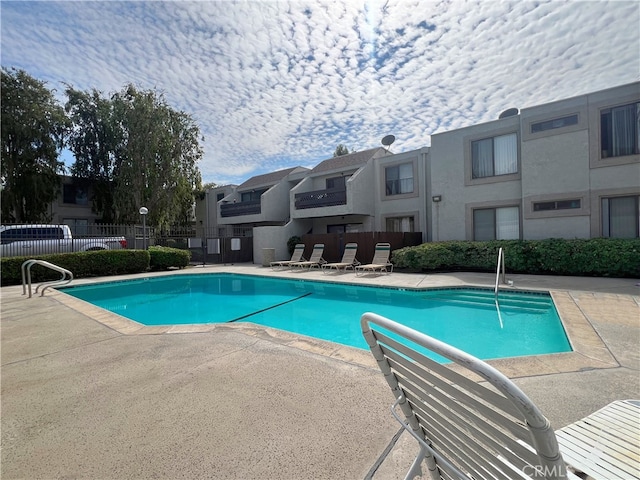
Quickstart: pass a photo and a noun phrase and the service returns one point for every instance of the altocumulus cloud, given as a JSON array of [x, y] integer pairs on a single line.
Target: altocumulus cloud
[[273, 85]]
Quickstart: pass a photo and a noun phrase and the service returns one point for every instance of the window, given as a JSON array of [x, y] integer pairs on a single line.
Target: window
[[557, 205], [74, 195], [399, 179], [555, 123], [620, 130], [494, 156], [336, 182], [620, 217], [496, 224], [219, 196], [253, 195], [400, 224]]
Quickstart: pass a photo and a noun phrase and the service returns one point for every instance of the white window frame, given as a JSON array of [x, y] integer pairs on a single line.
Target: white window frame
[[631, 220], [503, 153], [618, 127], [404, 224], [503, 228], [403, 180]]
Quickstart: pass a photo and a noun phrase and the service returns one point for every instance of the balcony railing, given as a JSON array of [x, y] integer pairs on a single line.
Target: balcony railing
[[321, 198], [251, 207]]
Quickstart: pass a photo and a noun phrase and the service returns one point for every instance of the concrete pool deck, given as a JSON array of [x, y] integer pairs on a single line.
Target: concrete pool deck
[[88, 394]]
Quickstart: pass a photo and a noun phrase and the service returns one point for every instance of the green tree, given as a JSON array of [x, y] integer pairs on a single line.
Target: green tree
[[341, 150], [202, 192], [34, 127], [148, 157], [94, 140]]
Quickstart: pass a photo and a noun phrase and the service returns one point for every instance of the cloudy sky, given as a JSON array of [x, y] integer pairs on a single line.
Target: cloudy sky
[[279, 84]]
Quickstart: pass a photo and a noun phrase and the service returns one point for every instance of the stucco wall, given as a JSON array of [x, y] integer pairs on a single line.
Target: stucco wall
[[360, 192], [277, 237], [451, 180], [413, 204]]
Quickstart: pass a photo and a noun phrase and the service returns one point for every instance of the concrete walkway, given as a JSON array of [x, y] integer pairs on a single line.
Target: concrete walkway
[[88, 394]]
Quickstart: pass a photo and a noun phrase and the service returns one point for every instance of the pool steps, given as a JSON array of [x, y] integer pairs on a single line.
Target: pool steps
[[532, 304]]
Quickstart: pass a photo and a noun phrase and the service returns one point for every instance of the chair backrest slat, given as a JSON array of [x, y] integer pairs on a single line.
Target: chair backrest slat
[[298, 251], [454, 377], [381, 254], [316, 254], [349, 255], [440, 391], [454, 437]]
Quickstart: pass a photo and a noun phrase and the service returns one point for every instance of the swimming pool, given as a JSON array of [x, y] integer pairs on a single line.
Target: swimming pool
[[524, 324]]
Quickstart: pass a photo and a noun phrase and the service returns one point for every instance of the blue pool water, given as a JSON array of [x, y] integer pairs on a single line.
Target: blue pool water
[[524, 324]]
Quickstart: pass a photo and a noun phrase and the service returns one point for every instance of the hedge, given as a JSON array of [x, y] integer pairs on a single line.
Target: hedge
[[600, 257], [162, 258], [82, 264]]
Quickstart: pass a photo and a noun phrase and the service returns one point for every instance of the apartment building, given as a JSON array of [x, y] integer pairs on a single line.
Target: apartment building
[[567, 169], [73, 207], [206, 213], [336, 195], [371, 190]]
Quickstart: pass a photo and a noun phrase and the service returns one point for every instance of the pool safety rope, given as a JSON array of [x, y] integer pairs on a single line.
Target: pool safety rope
[[269, 308]]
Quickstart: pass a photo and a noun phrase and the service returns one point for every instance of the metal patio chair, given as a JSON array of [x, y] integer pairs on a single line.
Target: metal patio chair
[[348, 259], [379, 263], [296, 256], [487, 430], [315, 260]]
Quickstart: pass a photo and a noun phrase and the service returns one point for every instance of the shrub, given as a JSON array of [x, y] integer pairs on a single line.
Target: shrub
[[82, 264], [162, 258], [595, 257], [292, 242]]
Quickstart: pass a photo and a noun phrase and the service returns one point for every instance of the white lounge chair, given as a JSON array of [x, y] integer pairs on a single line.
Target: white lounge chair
[[380, 262], [315, 260], [296, 256], [348, 259], [472, 431]]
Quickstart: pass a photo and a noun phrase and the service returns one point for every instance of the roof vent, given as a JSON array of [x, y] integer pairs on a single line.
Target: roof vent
[[509, 112]]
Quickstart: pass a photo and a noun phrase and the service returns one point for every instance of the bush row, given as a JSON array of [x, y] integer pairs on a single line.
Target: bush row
[[95, 264], [162, 258], [601, 257]]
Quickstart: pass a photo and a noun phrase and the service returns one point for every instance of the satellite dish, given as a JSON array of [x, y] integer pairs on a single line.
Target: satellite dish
[[388, 140], [510, 112]]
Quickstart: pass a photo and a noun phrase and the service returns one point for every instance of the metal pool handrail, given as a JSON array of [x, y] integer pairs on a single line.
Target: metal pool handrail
[[26, 279], [500, 263]]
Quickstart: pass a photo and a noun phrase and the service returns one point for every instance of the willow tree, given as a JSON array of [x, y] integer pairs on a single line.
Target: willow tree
[[94, 140], [33, 130], [146, 151]]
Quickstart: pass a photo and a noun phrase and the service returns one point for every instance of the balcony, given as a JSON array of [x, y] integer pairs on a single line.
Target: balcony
[[321, 198], [251, 207]]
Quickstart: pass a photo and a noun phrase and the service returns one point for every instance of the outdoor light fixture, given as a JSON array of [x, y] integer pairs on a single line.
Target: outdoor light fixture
[[436, 198], [143, 211]]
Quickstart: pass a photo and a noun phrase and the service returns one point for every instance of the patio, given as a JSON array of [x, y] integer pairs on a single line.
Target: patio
[[87, 394]]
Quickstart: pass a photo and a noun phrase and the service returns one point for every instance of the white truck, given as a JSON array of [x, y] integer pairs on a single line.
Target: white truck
[[31, 240]]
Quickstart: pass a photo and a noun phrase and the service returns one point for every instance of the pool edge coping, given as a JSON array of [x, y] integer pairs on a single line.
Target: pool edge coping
[[589, 351]]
